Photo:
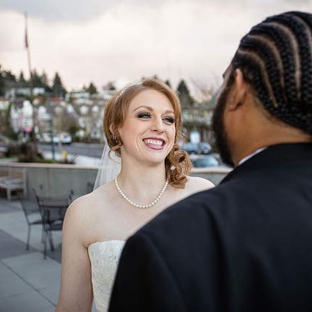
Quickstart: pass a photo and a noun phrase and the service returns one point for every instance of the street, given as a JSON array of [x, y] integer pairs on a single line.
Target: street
[[75, 149], [89, 154]]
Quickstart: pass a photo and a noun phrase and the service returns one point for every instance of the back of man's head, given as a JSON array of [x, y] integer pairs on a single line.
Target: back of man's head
[[276, 59]]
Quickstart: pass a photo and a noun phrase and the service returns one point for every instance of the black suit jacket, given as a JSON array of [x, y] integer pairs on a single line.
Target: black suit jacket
[[245, 245]]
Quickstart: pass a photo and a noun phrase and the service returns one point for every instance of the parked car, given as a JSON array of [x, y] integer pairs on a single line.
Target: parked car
[[202, 148], [46, 138], [190, 148], [204, 162], [65, 138]]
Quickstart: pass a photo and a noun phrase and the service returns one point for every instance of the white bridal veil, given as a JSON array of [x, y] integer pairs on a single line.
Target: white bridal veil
[[110, 163], [109, 167]]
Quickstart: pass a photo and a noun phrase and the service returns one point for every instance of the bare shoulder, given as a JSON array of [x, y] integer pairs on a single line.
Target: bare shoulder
[[78, 211], [87, 217], [193, 185], [87, 205], [198, 184]]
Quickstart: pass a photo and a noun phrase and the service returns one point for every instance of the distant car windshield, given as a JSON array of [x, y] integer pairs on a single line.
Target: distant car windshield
[[208, 161], [197, 148], [190, 148]]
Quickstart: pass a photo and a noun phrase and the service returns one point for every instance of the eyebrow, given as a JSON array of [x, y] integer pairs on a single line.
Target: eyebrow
[[151, 109]]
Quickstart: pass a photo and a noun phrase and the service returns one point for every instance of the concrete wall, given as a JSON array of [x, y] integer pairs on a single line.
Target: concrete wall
[[57, 179], [52, 180]]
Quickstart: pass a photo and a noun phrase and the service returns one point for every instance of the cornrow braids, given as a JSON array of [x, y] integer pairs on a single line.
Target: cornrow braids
[[276, 59]]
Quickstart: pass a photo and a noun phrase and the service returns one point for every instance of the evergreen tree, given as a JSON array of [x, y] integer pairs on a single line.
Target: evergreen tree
[[184, 95], [8, 76], [36, 80], [21, 78], [1, 82], [167, 82], [109, 86], [92, 89], [9, 132], [57, 86], [45, 80]]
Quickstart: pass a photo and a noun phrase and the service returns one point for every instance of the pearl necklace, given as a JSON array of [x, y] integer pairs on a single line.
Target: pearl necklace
[[131, 202]]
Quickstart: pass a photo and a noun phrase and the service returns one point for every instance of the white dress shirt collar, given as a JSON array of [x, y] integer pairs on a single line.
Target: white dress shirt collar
[[251, 155]]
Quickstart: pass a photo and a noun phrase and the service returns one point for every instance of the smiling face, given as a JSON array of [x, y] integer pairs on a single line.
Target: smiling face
[[148, 132]]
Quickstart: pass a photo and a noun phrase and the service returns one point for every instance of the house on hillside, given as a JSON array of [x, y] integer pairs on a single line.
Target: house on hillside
[[198, 118]]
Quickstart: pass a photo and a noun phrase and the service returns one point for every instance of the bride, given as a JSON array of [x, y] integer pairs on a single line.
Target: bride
[[142, 125]]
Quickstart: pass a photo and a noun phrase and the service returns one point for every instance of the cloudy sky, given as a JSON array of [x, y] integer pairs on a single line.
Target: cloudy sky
[[122, 40]]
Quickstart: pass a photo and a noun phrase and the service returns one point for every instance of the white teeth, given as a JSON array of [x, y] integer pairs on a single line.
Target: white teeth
[[153, 142]]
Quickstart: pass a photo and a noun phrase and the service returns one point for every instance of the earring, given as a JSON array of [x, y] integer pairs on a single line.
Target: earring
[[115, 139]]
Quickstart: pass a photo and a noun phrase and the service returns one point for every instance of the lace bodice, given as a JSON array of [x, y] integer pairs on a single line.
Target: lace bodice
[[104, 257]]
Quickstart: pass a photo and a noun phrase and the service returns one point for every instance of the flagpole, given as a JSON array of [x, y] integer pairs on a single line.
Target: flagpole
[[33, 136], [28, 55]]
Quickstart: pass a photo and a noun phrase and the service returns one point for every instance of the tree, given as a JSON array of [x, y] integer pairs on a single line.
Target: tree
[[73, 128], [205, 91], [36, 80], [184, 95], [92, 89], [57, 86], [9, 132], [1, 83], [66, 121], [109, 86], [21, 78], [167, 82], [45, 80], [8, 76]]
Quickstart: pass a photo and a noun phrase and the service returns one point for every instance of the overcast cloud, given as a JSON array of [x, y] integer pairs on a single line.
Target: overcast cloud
[[123, 40]]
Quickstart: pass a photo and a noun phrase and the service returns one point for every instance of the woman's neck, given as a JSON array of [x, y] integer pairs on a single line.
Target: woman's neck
[[142, 183]]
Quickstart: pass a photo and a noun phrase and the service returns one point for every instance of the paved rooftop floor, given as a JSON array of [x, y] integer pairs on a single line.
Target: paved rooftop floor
[[28, 282]]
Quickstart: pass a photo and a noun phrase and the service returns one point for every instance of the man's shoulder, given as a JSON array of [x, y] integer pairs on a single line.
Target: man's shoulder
[[190, 213], [210, 209]]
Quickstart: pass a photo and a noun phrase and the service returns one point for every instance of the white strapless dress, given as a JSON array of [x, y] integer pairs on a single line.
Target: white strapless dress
[[104, 257]]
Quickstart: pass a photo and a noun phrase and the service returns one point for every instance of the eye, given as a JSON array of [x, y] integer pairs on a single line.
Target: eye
[[169, 120], [144, 115]]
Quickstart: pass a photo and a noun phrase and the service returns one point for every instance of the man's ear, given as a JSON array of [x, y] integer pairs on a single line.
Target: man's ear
[[239, 90]]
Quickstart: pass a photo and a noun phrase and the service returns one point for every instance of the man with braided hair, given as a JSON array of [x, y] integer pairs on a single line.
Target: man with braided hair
[[245, 245]]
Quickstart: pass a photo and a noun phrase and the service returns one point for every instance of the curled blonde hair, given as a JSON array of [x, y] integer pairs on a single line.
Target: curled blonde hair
[[177, 162]]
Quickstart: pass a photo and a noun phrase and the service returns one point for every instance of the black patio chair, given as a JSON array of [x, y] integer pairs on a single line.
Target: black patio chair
[[90, 186], [53, 211], [32, 214]]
